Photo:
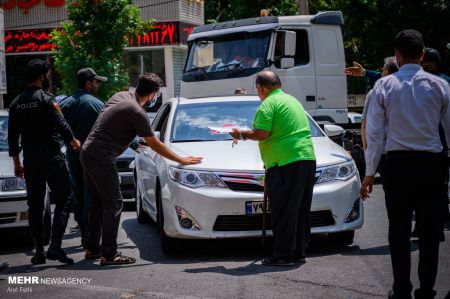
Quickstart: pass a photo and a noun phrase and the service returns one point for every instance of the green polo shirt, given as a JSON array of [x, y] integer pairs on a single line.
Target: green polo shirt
[[290, 135]]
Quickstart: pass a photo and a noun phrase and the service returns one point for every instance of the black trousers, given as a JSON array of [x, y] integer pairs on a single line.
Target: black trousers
[[290, 190], [105, 204], [81, 202], [42, 167], [414, 183]]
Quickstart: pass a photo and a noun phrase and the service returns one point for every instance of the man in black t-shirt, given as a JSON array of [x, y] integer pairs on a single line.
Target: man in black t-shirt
[[117, 125]]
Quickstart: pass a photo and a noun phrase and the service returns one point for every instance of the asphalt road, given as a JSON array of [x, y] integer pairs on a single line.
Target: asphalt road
[[218, 268]]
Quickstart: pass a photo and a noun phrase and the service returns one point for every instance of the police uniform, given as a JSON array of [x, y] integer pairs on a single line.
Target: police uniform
[[38, 125]]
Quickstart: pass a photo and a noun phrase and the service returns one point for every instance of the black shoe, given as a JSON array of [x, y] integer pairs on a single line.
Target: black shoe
[[301, 259], [392, 295], [270, 261], [38, 258], [57, 254]]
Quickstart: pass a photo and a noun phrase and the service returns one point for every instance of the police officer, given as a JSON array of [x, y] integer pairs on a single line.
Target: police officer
[[34, 120]]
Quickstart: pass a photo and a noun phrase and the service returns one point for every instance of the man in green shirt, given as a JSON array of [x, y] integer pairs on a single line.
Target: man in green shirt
[[282, 129]]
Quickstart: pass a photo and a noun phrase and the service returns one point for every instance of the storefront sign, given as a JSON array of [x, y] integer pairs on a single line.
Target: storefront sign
[[38, 40], [25, 5], [162, 34], [31, 40]]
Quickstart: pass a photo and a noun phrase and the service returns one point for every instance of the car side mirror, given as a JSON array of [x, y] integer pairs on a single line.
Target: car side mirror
[[157, 134], [287, 63], [333, 130]]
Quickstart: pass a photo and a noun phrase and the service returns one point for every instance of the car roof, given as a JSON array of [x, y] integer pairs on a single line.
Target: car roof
[[231, 98]]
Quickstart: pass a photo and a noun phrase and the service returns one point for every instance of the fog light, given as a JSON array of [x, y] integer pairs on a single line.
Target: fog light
[[23, 215], [354, 212], [186, 220]]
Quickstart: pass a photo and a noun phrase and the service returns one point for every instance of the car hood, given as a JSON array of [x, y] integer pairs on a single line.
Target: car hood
[[245, 156], [6, 165]]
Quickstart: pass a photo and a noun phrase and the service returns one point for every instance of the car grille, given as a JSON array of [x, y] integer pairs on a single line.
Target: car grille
[[123, 165], [246, 182], [7, 218], [246, 223]]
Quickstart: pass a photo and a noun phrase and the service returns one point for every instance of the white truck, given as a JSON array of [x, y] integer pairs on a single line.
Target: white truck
[[307, 53]]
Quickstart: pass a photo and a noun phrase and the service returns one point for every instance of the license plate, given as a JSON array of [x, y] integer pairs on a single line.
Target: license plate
[[255, 207]]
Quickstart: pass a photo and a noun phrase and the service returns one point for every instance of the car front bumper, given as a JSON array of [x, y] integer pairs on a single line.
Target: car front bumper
[[13, 209], [221, 212]]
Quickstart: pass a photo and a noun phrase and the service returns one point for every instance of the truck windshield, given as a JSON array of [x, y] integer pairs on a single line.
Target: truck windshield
[[227, 56]]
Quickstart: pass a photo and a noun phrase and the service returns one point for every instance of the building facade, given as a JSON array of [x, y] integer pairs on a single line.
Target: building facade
[[162, 50]]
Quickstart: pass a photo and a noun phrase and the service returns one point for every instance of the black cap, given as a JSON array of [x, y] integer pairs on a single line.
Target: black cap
[[409, 43], [432, 55], [88, 73]]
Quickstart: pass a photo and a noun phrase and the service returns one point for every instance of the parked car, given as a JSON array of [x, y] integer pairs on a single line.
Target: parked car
[[222, 196], [354, 118], [13, 194]]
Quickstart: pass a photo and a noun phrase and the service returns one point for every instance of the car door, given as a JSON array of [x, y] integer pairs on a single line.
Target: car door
[[148, 162]]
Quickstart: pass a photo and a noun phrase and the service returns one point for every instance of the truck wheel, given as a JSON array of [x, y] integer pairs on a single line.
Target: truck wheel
[[342, 238]]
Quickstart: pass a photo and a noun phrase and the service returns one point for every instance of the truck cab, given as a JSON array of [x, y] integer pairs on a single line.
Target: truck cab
[[306, 52]]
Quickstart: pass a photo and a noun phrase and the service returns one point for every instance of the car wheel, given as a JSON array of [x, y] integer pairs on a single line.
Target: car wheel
[[141, 215], [47, 222], [168, 245], [342, 238]]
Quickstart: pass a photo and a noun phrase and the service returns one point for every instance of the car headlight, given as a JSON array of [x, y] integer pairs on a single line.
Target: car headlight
[[195, 179], [13, 184], [343, 172]]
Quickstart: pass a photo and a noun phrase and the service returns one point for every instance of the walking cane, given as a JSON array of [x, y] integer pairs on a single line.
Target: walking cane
[[264, 218]]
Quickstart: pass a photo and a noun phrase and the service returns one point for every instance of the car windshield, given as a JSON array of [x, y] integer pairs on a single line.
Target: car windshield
[[213, 121], [231, 55], [3, 133]]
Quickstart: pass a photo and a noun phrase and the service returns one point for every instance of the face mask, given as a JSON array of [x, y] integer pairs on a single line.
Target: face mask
[[154, 100], [46, 84]]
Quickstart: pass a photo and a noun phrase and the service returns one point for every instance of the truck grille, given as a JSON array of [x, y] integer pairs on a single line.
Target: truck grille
[[7, 218], [248, 223]]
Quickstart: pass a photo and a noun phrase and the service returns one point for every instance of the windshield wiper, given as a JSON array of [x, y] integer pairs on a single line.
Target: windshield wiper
[[193, 140]]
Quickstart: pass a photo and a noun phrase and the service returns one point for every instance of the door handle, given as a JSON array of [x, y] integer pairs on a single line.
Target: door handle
[[310, 98]]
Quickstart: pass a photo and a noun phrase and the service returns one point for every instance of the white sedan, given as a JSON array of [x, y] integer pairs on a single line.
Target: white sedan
[[221, 197]]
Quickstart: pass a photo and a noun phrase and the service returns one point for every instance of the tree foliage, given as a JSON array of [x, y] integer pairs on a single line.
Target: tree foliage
[[95, 37]]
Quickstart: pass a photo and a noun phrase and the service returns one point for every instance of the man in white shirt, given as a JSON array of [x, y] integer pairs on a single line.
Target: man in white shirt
[[408, 106]]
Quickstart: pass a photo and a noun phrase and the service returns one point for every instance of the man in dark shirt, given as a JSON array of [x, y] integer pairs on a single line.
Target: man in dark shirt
[[81, 111], [117, 125], [34, 120]]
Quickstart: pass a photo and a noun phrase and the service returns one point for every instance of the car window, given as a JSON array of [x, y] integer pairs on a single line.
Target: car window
[[157, 119], [3, 133], [212, 121]]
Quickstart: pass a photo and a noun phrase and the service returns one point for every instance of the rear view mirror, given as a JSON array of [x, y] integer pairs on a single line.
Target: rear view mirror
[[287, 63], [289, 43], [333, 130]]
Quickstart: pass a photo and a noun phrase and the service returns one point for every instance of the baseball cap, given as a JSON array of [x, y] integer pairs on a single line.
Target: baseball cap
[[432, 55], [88, 73]]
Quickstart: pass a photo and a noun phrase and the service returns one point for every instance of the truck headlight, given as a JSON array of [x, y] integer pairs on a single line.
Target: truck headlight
[[13, 184], [343, 172], [195, 179]]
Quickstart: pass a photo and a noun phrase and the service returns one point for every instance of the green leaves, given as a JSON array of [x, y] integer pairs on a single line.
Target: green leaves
[[95, 37]]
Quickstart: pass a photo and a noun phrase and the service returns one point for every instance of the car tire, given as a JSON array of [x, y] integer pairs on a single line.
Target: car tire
[[342, 238], [168, 245]]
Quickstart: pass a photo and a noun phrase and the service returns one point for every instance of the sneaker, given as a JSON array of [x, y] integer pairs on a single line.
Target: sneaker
[[57, 254], [38, 258], [270, 261]]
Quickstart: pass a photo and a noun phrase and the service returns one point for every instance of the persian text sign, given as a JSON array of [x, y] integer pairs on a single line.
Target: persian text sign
[[30, 40], [163, 33]]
